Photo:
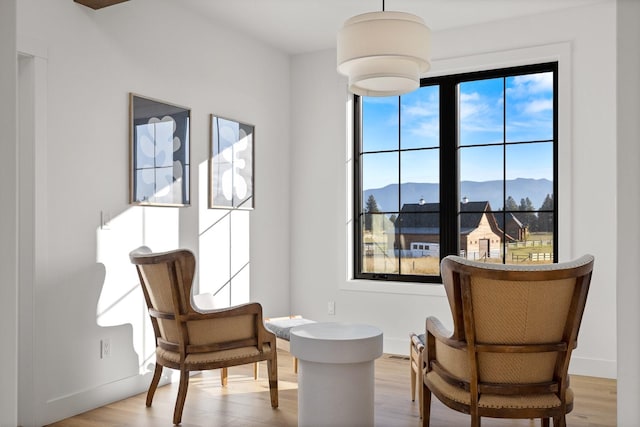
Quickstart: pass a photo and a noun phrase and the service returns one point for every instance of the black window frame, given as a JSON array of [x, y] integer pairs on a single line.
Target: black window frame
[[449, 184]]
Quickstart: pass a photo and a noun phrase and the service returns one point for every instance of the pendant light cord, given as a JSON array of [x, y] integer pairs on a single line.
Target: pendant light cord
[[383, 5]]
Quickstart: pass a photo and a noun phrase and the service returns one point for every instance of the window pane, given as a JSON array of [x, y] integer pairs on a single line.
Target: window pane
[[377, 244], [380, 178], [380, 126], [481, 175], [480, 112], [529, 174], [419, 176], [421, 265], [536, 248], [545, 216], [529, 107], [417, 239], [420, 118]]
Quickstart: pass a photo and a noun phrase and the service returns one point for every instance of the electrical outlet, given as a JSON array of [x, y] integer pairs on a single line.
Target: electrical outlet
[[105, 348], [331, 308]]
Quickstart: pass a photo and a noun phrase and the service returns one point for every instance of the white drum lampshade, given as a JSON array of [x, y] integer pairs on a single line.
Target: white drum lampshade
[[383, 53]]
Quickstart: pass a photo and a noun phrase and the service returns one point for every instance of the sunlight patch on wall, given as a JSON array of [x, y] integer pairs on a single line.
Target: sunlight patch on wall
[[224, 264], [121, 300]]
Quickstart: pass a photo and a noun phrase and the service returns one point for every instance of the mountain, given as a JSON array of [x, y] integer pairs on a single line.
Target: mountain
[[535, 189]]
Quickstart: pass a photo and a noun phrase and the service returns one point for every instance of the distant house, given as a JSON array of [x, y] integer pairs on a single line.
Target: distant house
[[417, 231], [512, 226]]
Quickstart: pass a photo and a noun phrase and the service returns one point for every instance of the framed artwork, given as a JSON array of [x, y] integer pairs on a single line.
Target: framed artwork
[[231, 168], [159, 153]]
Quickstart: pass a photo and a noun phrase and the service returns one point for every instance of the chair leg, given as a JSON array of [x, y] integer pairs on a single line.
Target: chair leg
[[256, 368], [559, 421], [295, 365], [157, 373], [182, 395], [425, 404], [224, 374], [544, 422], [421, 398], [272, 368], [413, 373]]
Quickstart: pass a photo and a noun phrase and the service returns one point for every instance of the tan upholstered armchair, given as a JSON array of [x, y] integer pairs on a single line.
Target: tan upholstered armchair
[[514, 330], [191, 340]]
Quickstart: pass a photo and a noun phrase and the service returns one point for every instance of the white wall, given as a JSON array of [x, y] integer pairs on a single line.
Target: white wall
[[8, 213], [85, 289], [628, 200], [299, 230], [320, 261]]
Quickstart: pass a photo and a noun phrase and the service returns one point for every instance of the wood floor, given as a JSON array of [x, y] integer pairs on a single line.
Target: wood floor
[[245, 402]]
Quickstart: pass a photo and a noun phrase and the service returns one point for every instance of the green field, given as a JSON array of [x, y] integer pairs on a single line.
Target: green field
[[537, 249]]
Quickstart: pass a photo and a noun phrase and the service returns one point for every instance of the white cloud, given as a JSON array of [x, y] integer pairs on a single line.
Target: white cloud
[[426, 129], [471, 105], [421, 104], [421, 109], [538, 105], [476, 112], [420, 116], [468, 97], [531, 84]]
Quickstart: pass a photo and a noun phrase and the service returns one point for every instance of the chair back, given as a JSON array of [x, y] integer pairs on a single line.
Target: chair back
[[191, 339], [520, 323], [166, 280]]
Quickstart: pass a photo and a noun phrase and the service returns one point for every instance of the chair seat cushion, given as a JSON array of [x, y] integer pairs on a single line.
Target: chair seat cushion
[[548, 400], [282, 327], [214, 356]]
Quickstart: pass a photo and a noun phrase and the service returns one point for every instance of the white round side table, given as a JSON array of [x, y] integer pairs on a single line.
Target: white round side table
[[336, 373]]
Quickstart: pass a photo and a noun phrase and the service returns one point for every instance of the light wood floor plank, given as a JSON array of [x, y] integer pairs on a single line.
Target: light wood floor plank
[[245, 402]]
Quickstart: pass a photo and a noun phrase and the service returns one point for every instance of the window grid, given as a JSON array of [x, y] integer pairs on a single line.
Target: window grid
[[449, 147]]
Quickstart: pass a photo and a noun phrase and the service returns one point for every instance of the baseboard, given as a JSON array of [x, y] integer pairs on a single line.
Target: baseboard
[[593, 367], [72, 404], [399, 346]]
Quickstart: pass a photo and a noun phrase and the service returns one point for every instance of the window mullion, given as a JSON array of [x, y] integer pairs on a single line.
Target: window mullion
[[399, 208], [556, 199], [504, 169], [357, 179], [449, 182]]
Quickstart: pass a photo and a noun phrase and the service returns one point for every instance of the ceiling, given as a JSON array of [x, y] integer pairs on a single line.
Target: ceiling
[[298, 26]]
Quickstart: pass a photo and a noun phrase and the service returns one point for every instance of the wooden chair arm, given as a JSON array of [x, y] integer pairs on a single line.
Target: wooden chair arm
[[436, 329], [417, 344], [236, 310]]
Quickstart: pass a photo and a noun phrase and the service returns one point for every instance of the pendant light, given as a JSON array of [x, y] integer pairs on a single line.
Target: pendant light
[[383, 53]]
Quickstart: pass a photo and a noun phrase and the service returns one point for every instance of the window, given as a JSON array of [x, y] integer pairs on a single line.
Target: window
[[466, 164]]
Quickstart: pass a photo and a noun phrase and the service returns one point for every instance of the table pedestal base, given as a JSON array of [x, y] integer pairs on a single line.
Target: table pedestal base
[[334, 394], [336, 378]]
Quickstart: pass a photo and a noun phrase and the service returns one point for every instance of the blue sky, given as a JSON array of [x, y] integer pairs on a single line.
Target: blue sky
[[524, 102]]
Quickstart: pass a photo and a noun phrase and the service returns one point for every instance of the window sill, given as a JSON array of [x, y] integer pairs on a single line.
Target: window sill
[[427, 289]]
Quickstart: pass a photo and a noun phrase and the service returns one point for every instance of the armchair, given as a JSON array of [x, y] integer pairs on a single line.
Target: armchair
[[514, 328], [194, 340]]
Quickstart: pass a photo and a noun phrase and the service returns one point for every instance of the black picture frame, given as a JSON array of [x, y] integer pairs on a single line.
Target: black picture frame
[[231, 164], [159, 153]]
